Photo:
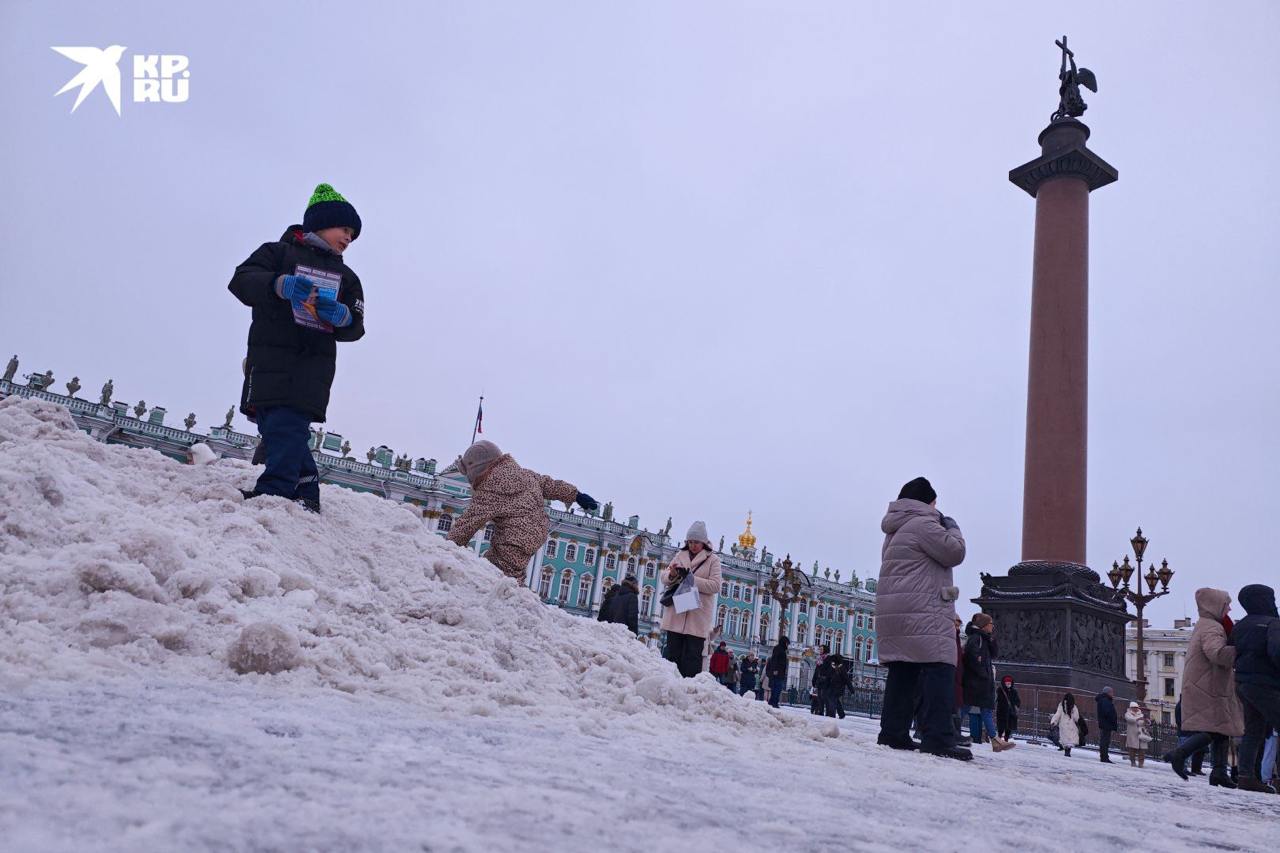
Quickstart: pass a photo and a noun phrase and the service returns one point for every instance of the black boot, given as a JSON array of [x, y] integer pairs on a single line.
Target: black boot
[[250, 494], [958, 753], [1178, 762], [1220, 778], [906, 743], [1248, 784], [310, 505]]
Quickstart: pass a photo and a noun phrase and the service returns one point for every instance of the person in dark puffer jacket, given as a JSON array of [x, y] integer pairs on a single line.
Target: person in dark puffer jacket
[[1257, 670], [305, 300], [622, 604]]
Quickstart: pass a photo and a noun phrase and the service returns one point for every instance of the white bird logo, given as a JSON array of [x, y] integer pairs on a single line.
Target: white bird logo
[[100, 66]]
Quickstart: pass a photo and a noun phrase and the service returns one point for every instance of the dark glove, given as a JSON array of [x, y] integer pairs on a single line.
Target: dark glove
[[332, 312], [587, 502], [949, 523], [294, 287]]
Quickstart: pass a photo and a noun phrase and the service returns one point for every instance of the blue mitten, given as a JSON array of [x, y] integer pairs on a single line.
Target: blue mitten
[[333, 312], [295, 288]]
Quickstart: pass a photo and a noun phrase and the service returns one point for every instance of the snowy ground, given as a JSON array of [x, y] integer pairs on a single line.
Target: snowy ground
[[423, 702]]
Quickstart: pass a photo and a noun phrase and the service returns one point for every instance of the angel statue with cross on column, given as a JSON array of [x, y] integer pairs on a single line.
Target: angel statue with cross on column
[[1070, 104]]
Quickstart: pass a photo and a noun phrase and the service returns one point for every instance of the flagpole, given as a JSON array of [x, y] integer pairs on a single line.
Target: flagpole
[[479, 414]]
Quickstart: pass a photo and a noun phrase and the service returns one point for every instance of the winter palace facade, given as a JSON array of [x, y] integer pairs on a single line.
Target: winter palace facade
[[584, 555]]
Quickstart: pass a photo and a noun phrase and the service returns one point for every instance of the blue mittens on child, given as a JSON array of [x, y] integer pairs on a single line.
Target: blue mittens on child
[[587, 502], [295, 288], [332, 311]]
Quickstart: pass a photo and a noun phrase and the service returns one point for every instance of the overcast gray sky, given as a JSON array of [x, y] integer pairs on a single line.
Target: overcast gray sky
[[699, 257]]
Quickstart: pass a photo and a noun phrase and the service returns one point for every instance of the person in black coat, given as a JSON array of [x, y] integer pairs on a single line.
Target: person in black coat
[[832, 678], [776, 670], [305, 300], [1108, 722], [979, 680], [1007, 704], [749, 672], [622, 604], [1257, 669]]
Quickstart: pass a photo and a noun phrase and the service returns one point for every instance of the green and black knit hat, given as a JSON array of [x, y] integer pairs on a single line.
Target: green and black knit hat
[[328, 209]]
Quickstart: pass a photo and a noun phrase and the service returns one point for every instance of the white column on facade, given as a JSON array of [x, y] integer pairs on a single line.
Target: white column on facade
[[775, 620], [793, 620], [847, 651], [535, 565], [597, 595], [813, 624], [755, 616]]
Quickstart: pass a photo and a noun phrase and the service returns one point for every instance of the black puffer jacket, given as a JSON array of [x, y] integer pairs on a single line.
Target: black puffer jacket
[[979, 672], [288, 364], [621, 605], [778, 661], [1257, 638]]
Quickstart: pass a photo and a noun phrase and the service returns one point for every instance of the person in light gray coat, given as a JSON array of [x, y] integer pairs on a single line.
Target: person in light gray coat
[[915, 619]]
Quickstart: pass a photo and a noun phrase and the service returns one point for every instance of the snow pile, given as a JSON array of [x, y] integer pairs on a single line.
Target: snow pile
[[117, 561]]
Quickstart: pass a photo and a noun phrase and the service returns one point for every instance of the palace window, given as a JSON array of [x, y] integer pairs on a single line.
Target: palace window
[[566, 580], [631, 565], [590, 557], [721, 612], [857, 648], [1168, 688], [646, 601], [445, 524], [764, 628], [571, 552], [1168, 660], [584, 590], [857, 620], [871, 622], [724, 589], [765, 598], [840, 639], [731, 627], [840, 615], [822, 611], [607, 585], [747, 593], [650, 569], [804, 606], [553, 548], [488, 533], [737, 590], [610, 562], [871, 650], [544, 583]]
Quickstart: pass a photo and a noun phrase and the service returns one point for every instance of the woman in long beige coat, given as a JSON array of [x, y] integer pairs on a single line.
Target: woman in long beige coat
[[687, 632], [1211, 713], [1135, 727]]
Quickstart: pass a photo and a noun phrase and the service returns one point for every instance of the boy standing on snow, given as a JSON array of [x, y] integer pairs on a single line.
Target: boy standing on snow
[[514, 500], [304, 300]]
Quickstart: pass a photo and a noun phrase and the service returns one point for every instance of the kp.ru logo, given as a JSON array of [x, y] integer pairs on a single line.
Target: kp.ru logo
[[157, 77]]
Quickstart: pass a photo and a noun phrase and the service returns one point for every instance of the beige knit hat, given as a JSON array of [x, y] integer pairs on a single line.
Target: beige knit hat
[[477, 460]]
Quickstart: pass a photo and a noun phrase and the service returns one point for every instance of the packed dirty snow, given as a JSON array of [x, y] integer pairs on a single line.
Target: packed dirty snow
[[182, 670], [116, 560]]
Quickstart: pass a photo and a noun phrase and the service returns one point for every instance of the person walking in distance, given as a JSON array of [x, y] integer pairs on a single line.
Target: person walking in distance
[[1007, 705], [1257, 672], [721, 660], [1067, 719], [749, 673], [1211, 712], [833, 676], [980, 682], [915, 611], [1107, 723], [776, 670], [687, 632], [622, 604], [1135, 728]]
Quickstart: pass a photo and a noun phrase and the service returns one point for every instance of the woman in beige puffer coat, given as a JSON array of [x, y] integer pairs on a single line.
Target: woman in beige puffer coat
[[1135, 726], [687, 632], [1211, 712]]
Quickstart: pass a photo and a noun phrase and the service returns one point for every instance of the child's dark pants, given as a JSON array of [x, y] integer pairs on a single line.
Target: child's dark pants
[[291, 470]]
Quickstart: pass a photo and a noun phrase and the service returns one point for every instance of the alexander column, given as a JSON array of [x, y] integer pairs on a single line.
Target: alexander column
[[1057, 623], [1060, 180]]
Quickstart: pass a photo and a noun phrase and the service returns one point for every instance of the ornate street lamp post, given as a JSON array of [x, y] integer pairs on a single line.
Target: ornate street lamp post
[[787, 583], [1120, 576]]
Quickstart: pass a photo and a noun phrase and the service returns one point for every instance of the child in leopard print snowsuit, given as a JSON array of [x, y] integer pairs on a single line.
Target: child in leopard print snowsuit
[[514, 500]]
